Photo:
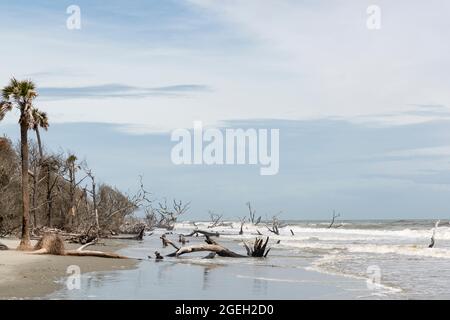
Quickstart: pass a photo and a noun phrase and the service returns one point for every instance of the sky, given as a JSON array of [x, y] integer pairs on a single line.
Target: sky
[[363, 114]]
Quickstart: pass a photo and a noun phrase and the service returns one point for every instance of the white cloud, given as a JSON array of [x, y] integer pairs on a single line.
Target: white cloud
[[294, 60]]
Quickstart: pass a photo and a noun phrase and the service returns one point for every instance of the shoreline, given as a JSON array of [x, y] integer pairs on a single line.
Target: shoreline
[[27, 276]]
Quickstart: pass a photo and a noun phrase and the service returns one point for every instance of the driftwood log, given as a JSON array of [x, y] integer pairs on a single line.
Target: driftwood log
[[258, 249], [218, 249], [139, 236], [205, 233], [89, 237], [54, 244]]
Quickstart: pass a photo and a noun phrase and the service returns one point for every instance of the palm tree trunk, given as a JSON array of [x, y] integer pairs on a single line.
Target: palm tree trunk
[[39, 141], [25, 243], [35, 195], [37, 171], [49, 197]]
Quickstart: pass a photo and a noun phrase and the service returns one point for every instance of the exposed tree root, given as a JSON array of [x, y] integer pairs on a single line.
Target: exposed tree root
[[259, 248], [3, 246]]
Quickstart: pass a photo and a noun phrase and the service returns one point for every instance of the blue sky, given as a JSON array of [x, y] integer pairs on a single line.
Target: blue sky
[[363, 114]]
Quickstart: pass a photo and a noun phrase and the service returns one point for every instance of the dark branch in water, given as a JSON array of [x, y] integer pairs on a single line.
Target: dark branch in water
[[259, 248], [216, 219], [242, 220], [275, 225], [166, 242], [252, 214], [333, 219], [433, 242]]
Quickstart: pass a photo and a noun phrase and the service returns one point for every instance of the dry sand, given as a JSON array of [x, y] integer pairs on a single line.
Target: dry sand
[[23, 275]]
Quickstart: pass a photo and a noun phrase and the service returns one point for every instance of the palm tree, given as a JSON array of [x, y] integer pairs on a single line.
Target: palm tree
[[40, 120], [20, 95]]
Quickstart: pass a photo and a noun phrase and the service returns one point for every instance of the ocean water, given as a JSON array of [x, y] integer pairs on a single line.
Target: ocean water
[[352, 260]]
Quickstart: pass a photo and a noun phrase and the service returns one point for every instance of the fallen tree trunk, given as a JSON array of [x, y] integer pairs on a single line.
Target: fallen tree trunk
[[258, 250], [139, 236], [54, 244], [91, 253], [205, 233], [221, 251]]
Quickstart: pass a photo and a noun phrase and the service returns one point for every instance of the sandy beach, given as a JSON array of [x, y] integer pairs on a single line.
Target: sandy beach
[[24, 275]]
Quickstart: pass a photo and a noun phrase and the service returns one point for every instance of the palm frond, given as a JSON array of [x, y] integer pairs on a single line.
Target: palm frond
[[5, 106], [40, 119], [17, 90]]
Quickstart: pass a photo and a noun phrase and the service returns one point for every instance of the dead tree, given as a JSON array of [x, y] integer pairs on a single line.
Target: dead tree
[[93, 193], [71, 169], [216, 219], [333, 219], [54, 170], [53, 244], [252, 215], [169, 216], [114, 207], [275, 226], [431, 245], [36, 179]]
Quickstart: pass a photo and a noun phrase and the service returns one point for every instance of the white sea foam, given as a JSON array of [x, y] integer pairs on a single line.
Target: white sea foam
[[443, 232], [322, 265], [350, 249], [333, 243]]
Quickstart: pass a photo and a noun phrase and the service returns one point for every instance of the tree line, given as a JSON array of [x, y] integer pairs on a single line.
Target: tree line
[[40, 189]]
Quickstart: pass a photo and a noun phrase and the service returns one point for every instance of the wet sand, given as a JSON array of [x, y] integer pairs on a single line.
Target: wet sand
[[34, 276], [282, 275]]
